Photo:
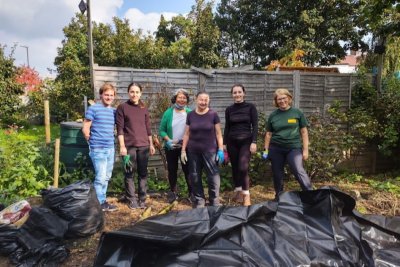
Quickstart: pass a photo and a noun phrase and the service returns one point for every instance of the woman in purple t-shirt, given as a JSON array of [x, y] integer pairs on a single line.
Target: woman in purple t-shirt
[[202, 148]]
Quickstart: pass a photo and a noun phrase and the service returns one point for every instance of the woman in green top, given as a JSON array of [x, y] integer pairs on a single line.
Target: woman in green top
[[286, 140], [172, 128]]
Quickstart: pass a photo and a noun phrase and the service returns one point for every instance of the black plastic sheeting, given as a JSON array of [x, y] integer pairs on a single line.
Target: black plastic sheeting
[[311, 228]]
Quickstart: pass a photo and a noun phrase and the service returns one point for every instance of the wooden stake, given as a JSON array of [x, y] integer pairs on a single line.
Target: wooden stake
[[47, 121], [56, 162]]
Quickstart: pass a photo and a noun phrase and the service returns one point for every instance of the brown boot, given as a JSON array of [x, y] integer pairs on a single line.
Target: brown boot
[[237, 197], [246, 200]]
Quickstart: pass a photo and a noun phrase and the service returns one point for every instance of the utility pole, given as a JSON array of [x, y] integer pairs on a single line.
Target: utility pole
[[27, 53], [86, 7]]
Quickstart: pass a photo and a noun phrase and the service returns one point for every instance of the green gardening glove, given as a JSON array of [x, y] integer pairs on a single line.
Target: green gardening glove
[[128, 167]]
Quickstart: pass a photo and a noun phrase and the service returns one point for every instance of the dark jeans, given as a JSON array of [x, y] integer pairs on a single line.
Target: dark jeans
[[173, 157], [239, 155], [294, 157], [139, 159], [206, 161]]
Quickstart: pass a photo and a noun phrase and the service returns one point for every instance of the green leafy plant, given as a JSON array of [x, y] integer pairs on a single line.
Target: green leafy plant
[[82, 171], [381, 110], [329, 141], [22, 173]]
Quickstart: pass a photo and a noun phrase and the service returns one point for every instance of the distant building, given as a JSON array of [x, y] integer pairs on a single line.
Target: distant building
[[350, 63]]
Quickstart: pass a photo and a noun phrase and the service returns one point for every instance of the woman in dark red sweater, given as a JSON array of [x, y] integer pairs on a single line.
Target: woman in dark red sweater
[[134, 136]]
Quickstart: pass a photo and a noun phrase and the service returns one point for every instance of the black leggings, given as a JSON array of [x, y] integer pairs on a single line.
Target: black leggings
[[239, 155], [173, 157]]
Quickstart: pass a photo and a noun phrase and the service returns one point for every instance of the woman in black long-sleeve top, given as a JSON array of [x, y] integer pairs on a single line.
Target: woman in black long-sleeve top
[[240, 139]]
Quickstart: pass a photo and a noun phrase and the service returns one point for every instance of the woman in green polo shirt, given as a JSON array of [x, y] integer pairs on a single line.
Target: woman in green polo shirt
[[286, 140]]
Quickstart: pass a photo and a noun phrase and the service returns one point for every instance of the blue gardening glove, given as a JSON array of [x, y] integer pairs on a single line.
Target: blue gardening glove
[[265, 154], [220, 156], [169, 144]]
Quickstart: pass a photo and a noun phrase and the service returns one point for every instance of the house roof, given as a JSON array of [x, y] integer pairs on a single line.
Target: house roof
[[350, 60]]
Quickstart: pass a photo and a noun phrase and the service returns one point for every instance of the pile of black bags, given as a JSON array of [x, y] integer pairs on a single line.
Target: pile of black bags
[[69, 212]]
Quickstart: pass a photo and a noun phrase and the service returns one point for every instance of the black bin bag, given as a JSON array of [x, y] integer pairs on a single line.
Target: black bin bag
[[308, 228], [40, 240], [8, 239], [77, 203]]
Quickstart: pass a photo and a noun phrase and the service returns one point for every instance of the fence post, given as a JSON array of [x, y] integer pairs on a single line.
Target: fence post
[[296, 88], [47, 121]]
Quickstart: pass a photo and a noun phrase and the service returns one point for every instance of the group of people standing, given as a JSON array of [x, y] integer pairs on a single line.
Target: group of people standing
[[194, 138]]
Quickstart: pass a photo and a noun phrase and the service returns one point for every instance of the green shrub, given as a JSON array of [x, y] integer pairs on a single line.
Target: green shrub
[[21, 171]]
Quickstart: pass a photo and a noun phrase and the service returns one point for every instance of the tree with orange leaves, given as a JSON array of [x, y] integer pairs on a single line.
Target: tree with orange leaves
[[294, 59], [29, 79]]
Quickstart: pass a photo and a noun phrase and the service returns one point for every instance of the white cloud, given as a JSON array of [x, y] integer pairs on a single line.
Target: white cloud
[[147, 22], [38, 24]]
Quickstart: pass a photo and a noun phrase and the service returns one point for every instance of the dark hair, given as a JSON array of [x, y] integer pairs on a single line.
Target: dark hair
[[202, 93], [180, 91], [238, 85], [135, 84], [141, 104]]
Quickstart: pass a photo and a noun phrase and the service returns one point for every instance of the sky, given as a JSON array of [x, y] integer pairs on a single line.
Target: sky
[[35, 26]]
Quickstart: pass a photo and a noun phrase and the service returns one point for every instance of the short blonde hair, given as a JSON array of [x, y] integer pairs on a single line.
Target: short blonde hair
[[107, 87], [282, 91]]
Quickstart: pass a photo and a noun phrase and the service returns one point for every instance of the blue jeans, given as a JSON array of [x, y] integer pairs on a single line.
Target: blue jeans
[[294, 157], [103, 163], [198, 162]]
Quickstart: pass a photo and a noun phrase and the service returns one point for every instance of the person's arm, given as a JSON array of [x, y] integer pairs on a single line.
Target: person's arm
[[122, 148], [185, 138], [86, 129], [152, 149], [227, 127], [120, 123], [254, 126], [267, 140], [218, 134], [304, 137], [163, 127], [148, 129]]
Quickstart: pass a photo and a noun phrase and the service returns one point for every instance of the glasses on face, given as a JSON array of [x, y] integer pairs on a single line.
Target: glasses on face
[[107, 95], [281, 98]]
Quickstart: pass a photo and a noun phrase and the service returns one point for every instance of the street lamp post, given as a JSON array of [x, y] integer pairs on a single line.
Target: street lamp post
[[27, 53], [86, 7]]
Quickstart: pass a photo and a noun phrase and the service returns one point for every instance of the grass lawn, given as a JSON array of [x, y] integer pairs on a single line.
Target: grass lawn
[[33, 133]]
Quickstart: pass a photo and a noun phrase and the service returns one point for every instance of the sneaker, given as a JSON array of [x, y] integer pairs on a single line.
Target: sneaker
[[133, 205], [108, 207], [172, 196]]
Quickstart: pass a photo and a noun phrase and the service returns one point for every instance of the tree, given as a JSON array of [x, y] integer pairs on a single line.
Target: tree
[[29, 79], [204, 36], [381, 20], [165, 32], [10, 90], [231, 42], [272, 29], [72, 63]]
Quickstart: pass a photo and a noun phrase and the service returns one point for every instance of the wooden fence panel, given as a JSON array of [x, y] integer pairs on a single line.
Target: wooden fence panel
[[313, 92]]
